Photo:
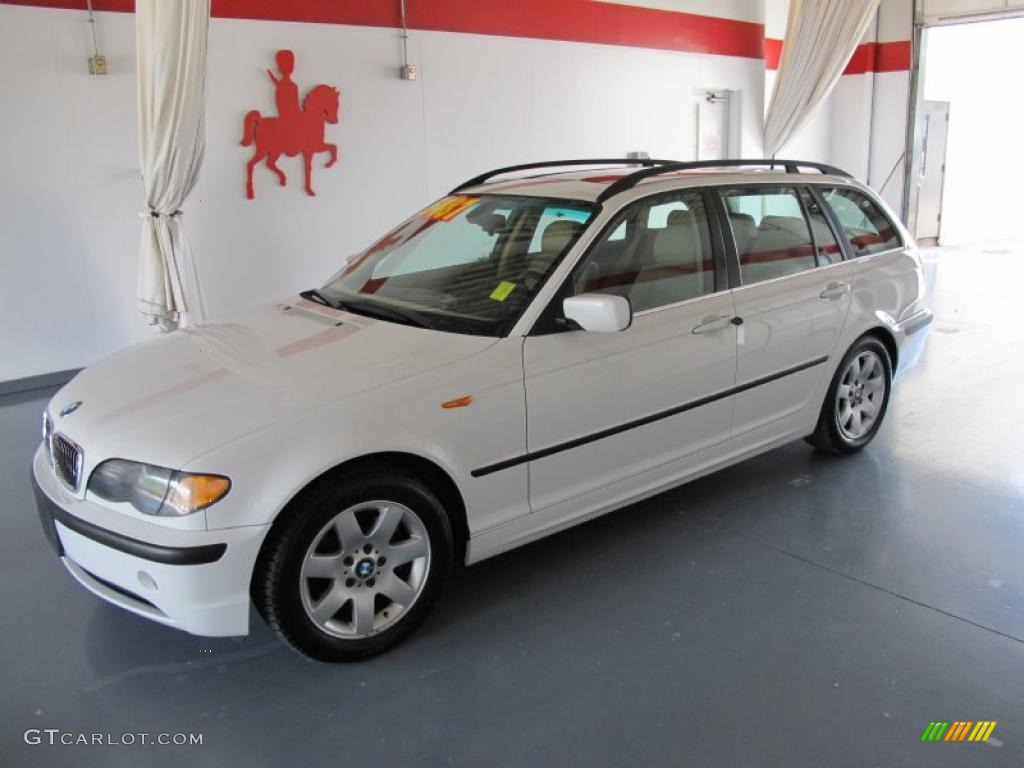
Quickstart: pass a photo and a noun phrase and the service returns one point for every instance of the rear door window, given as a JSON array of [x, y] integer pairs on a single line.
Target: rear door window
[[866, 227], [773, 239]]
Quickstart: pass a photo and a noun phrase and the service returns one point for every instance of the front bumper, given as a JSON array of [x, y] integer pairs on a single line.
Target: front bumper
[[197, 581]]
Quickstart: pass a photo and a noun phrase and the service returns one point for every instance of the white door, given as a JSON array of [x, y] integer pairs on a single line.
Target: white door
[[606, 407], [931, 171], [793, 301], [712, 115]]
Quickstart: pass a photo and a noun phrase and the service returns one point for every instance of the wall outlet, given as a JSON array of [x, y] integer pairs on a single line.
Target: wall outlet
[[408, 72], [97, 65]]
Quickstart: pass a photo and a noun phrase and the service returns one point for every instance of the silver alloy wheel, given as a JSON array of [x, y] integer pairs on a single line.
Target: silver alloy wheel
[[860, 395], [365, 569]]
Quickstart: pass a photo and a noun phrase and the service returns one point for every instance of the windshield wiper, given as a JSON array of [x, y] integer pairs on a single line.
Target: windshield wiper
[[383, 313], [370, 310], [314, 295]]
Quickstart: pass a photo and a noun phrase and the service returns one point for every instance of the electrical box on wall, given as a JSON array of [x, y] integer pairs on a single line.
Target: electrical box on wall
[[408, 72], [98, 64]]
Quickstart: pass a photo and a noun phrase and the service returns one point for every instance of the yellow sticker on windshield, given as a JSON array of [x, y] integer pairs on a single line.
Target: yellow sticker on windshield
[[448, 208], [503, 290]]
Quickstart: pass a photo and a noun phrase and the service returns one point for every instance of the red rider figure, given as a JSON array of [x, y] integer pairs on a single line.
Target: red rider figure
[[287, 95]]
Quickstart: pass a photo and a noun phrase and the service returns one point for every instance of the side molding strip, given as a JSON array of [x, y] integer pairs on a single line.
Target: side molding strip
[[643, 421]]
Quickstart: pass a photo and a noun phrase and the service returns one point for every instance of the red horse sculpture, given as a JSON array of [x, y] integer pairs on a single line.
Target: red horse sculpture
[[300, 132]]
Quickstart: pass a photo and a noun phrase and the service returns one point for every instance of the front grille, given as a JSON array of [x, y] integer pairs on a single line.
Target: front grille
[[67, 461]]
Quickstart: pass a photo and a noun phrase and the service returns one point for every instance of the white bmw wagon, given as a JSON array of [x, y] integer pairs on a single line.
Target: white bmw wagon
[[546, 344]]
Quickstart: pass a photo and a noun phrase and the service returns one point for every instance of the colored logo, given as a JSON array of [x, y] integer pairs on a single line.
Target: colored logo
[[70, 408], [959, 730]]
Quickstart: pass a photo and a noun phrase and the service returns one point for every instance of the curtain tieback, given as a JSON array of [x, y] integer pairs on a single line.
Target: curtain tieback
[[157, 215]]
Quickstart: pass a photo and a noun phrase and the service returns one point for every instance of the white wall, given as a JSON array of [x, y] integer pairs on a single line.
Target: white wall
[[975, 68], [742, 10], [891, 100], [71, 192], [888, 135]]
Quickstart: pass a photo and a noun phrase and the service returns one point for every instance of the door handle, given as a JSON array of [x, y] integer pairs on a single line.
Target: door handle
[[835, 290], [713, 323]]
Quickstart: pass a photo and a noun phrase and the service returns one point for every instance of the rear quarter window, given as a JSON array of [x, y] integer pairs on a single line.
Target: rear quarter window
[[865, 226]]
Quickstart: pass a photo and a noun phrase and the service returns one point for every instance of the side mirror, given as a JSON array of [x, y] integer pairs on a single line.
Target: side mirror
[[599, 312]]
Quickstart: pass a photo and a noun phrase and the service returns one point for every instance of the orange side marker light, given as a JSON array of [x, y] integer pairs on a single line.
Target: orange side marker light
[[458, 402]]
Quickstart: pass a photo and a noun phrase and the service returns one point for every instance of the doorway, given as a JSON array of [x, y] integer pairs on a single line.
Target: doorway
[[716, 124], [930, 176], [968, 71]]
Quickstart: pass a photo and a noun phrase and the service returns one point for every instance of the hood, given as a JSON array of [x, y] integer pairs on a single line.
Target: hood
[[169, 399]]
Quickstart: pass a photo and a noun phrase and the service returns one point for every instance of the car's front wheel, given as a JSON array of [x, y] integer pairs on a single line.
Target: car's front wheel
[[857, 399], [354, 564]]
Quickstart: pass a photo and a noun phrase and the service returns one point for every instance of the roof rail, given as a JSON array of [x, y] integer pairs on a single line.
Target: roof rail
[[477, 180], [791, 166]]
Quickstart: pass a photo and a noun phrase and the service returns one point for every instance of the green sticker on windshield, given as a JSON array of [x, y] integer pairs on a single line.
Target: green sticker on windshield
[[503, 290]]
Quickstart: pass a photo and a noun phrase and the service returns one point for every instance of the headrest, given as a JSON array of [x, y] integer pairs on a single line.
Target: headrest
[[678, 243], [743, 227], [675, 218], [790, 224], [491, 223], [558, 235]]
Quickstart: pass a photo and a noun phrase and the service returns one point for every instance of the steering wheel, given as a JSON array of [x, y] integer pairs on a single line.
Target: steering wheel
[[532, 276]]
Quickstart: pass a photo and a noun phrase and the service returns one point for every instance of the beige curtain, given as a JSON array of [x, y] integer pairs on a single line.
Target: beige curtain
[[821, 36], [170, 38]]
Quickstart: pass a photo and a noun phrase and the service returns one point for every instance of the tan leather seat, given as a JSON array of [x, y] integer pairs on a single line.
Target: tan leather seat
[[744, 229], [554, 240], [557, 235], [782, 246], [680, 265]]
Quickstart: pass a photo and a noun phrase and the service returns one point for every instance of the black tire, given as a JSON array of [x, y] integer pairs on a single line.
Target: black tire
[[829, 435], [277, 581]]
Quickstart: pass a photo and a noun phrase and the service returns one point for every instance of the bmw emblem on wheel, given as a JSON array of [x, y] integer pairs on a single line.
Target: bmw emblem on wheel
[[70, 408]]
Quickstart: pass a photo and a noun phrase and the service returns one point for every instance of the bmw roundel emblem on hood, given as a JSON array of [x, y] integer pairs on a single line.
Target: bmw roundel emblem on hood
[[70, 408]]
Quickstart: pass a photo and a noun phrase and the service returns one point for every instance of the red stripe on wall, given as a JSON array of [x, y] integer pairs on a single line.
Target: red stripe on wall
[[592, 22], [862, 60], [582, 21], [120, 6], [869, 57], [893, 57], [362, 13]]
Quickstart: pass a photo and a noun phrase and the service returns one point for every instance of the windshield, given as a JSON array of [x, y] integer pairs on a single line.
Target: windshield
[[464, 264]]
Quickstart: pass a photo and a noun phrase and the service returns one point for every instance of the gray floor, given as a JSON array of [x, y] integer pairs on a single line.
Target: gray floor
[[793, 610]]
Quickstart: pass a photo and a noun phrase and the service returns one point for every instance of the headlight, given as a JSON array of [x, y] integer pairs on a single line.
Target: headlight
[[156, 490]]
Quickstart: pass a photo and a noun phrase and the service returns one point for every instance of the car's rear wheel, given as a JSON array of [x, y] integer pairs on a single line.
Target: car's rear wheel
[[857, 399], [354, 564]]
